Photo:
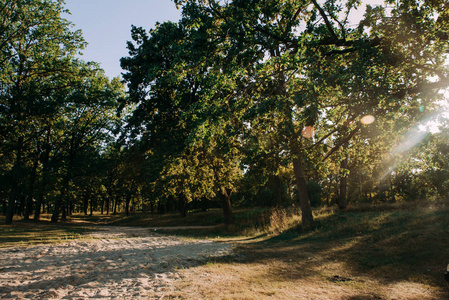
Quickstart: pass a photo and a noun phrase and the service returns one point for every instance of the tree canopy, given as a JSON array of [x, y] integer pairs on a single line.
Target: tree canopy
[[294, 72]]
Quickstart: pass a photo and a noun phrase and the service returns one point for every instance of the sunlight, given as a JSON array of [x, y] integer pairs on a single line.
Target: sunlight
[[413, 137]]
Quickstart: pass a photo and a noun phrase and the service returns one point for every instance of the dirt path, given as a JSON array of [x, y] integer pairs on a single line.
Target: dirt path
[[119, 262]]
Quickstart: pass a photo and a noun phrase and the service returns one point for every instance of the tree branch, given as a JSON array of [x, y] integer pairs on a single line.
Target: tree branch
[[326, 20], [339, 144]]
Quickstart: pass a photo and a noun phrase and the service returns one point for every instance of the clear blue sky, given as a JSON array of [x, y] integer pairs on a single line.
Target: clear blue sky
[[106, 26]]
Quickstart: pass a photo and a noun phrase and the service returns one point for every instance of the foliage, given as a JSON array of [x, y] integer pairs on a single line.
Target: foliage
[[290, 81]]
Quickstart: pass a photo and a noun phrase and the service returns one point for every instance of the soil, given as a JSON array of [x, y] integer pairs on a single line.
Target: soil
[[117, 263]]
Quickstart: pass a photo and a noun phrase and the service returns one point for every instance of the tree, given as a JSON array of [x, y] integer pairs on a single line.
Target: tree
[[37, 51], [173, 86], [302, 61], [89, 120], [294, 72]]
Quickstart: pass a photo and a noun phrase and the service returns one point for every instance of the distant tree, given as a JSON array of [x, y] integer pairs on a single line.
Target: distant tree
[[89, 119]]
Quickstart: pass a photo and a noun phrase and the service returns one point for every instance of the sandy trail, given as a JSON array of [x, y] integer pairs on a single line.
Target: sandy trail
[[118, 263]]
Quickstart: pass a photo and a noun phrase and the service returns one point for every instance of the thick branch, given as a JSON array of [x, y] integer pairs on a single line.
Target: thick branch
[[339, 144], [326, 20]]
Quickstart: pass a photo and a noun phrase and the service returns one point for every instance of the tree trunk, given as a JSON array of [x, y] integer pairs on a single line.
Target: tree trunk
[[64, 211], [14, 183], [127, 200], [42, 189], [55, 215], [108, 202], [91, 205], [59, 203], [11, 202], [225, 198], [301, 183], [227, 207], [279, 191], [392, 196], [115, 205], [304, 203], [102, 204], [85, 203], [343, 198], [21, 208], [29, 202], [182, 206]]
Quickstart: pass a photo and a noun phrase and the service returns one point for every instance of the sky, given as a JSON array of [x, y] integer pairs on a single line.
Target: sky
[[106, 26]]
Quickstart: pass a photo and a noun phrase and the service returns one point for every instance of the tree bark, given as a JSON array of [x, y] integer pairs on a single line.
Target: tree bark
[[85, 203], [14, 183], [304, 203], [64, 211], [182, 206], [343, 198], [301, 182], [102, 204], [225, 197], [29, 201], [115, 205], [61, 200], [42, 189], [227, 207], [278, 190], [59, 203], [127, 200], [91, 205]]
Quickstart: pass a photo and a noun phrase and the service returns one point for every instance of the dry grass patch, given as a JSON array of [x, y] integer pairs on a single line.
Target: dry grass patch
[[289, 276], [381, 254]]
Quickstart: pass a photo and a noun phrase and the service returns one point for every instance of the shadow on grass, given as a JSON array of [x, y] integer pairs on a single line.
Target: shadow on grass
[[386, 246], [29, 233], [113, 266]]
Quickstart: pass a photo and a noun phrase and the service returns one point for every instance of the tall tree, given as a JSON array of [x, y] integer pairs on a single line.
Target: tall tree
[[302, 61], [89, 120], [37, 50]]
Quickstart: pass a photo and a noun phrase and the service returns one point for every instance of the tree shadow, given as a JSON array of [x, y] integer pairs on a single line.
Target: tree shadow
[[385, 246], [114, 267]]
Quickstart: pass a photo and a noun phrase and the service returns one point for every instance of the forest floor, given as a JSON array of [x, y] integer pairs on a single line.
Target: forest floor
[[390, 252]]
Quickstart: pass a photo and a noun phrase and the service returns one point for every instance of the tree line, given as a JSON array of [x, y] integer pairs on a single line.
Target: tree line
[[239, 103]]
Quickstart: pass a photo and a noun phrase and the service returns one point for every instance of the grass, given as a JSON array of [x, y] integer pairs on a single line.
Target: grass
[[24, 234], [389, 252], [369, 252]]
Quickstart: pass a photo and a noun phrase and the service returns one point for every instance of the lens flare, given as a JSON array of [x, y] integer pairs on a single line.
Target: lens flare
[[308, 132], [366, 120]]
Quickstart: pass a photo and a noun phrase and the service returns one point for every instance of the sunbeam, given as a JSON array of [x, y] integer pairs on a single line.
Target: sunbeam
[[415, 136]]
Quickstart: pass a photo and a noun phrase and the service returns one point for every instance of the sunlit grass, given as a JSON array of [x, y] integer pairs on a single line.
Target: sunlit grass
[[24, 234], [386, 252]]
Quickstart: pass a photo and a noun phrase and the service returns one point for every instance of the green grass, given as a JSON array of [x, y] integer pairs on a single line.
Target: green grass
[[195, 218], [23, 234]]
